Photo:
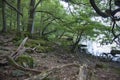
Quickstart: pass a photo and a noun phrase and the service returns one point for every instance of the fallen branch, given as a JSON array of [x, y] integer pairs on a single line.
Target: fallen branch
[[16, 65], [20, 50], [46, 73]]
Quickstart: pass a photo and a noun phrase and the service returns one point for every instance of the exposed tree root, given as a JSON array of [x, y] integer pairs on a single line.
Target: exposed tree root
[[46, 73]]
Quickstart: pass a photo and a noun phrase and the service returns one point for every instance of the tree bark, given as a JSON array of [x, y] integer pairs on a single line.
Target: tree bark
[[4, 29], [18, 15], [11, 20], [30, 27]]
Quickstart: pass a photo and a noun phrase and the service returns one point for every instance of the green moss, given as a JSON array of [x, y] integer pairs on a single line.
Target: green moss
[[34, 43], [44, 49], [26, 61], [41, 45]]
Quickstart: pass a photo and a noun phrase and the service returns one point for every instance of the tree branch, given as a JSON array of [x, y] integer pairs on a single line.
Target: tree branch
[[13, 8], [50, 32], [46, 26], [16, 65], [98, 11], [47, 12], [37, 4]]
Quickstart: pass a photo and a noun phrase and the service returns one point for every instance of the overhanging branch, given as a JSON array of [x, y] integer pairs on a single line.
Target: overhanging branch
[[98, 11], [47, 12]]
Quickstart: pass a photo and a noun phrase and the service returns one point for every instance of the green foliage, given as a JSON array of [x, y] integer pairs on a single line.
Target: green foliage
[[17, 41], [36, 42], [51, 15], [26, 61]]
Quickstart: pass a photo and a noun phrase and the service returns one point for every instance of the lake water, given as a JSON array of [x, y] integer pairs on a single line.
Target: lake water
[[97, 49]]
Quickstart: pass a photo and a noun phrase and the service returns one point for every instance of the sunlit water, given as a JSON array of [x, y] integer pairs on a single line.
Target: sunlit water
[[97, 49]]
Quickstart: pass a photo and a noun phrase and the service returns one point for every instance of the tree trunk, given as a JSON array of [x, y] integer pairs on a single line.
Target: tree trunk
[[4, 29], [77, 41], [31, 14], [11, 20], [18, 15]]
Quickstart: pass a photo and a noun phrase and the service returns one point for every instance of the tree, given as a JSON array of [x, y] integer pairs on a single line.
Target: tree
[[4, 29], [31, 13], [18, 15]]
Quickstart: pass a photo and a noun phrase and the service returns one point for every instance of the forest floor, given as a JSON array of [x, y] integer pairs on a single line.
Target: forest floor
[[101, 70]]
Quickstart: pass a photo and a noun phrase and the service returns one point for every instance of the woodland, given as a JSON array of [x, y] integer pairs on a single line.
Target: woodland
[[43, 39]]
